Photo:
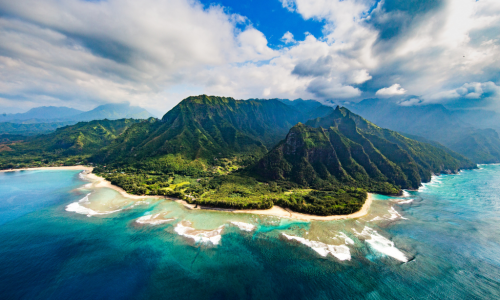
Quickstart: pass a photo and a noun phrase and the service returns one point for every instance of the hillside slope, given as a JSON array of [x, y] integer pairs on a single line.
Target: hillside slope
[[345, 149], [437, 123], [66, 145], [207, 128]]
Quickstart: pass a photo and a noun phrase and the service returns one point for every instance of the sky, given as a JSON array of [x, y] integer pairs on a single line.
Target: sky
[[154, 53]]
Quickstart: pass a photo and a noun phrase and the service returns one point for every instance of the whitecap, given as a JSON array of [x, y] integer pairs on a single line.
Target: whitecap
[[406, 194], [405, 201], [394, 214], [209, 237], [86, 186], [79, 209], [82, 176], [153, 219], [244, 226], [341, 252], [381, 244], [348, 240]]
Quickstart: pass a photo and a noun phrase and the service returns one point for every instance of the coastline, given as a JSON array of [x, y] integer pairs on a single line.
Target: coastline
[[100, 182], [84, 168], [277, 211]]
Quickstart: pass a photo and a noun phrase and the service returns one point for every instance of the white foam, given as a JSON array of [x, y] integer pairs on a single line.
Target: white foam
[[395, 214], [209, 237], [348, 240], [82, 176], [153, 219], [341, 252], [435, 180], [79, 209], [244, 226], [381, 244], [405, 201], [406, 194], [141, 202], [86, 186]]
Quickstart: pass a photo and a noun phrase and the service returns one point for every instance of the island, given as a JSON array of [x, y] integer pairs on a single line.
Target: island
[[218, 152]]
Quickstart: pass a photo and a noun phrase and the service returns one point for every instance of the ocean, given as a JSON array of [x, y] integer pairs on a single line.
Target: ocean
[[63, 238]]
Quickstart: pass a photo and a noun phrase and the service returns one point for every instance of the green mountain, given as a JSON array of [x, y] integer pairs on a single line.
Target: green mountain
[[66, 145], [208, 128], [214, 151], [311, 109], [46, 119], [345, 149], [435, 122], [30, 129]]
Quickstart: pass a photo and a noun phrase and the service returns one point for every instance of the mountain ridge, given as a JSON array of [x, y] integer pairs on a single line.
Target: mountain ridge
[[253, 154], [434, 122]]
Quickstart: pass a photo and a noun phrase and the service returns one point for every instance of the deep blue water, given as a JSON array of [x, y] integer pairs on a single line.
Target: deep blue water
[[450, 235]]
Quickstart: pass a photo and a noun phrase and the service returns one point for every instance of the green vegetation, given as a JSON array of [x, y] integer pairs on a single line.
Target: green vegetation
[[213, 151], [434, 122], [325, 203], [31, 129], [66, 146]]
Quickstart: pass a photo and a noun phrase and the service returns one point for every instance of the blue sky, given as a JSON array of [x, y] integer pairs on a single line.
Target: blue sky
[[272, 19], [154, 53]]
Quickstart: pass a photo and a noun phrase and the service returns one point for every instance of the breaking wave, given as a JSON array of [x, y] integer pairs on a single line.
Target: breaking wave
[[341, 252]]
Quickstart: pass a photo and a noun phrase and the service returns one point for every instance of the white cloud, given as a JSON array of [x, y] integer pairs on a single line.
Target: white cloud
[[288, 38], [359, 76], [393, 90], [471, 90], [154, 52], [410, 102], [92, 52]]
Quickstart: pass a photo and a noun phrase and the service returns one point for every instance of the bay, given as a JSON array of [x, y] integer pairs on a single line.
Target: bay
[[441, 242]]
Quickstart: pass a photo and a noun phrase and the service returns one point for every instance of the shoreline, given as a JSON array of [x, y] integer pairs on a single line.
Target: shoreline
[[277, 211], [100, 182], [84, 168]]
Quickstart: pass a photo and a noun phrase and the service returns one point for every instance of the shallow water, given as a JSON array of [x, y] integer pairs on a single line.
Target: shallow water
[[63, 239]]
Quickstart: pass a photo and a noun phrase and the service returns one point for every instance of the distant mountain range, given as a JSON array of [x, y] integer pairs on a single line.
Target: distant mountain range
[[435, 122], [48, 118], [48, 113]]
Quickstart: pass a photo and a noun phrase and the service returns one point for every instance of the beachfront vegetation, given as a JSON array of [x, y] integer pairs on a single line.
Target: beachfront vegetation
[[213, 151]]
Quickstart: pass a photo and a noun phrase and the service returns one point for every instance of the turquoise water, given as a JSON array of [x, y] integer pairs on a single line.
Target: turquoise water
[[63, 238]]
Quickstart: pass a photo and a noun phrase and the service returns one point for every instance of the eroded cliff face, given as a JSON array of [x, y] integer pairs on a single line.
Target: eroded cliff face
[[352, 151]]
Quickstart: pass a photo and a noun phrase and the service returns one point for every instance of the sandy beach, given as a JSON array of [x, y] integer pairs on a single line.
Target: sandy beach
[[99, 182], [286, 213]]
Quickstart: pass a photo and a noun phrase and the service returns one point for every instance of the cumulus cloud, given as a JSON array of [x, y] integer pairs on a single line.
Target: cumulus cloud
[[154, 53], [469, 95], [288, 38], [393, 90], [116, 50]]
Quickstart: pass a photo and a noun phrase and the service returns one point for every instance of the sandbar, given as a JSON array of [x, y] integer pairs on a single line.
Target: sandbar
[[286, 213]]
